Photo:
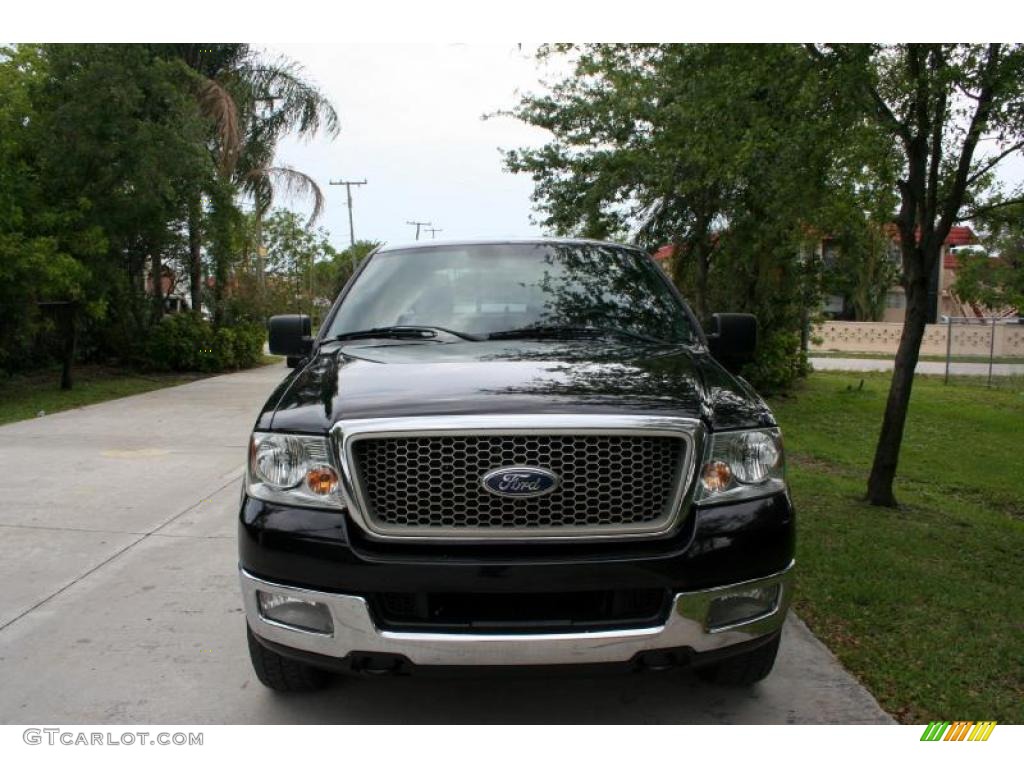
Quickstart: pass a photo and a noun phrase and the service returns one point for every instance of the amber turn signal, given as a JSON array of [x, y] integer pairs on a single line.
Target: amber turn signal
[[322, 480], [716, 476]]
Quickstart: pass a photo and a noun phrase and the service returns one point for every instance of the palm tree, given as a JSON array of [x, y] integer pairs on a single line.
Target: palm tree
[[262, 183], [251, 102]]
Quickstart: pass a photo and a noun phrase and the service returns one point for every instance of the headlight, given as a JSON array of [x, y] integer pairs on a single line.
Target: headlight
[[742, 465], [293, 469]]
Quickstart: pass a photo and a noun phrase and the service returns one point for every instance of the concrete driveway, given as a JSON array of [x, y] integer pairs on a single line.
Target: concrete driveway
[[120, 599]]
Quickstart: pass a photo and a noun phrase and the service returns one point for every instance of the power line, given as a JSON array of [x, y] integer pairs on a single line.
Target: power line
[[348, 192], [418, 225], [433, 231]]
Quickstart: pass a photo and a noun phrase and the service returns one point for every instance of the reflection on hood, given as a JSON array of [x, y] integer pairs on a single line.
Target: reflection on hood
[[382, 378]]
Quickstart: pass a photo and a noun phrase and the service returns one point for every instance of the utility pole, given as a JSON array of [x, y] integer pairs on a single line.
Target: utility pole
[[348, 192], [433, 231], [418, 225]]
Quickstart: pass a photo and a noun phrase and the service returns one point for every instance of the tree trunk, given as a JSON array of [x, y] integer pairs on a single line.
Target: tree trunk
[[137, 279], [219, 278], [195, 254], [156, 272], [698, 247], [930, 203], [887, 454], [260, 274], [221, 236], [68, 313], [701, 254], [810, 297]]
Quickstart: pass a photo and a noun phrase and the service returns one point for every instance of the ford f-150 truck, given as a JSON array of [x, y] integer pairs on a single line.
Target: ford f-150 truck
[[513, 454]]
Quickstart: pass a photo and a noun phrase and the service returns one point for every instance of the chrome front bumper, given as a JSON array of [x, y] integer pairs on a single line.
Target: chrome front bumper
[[354, 631]]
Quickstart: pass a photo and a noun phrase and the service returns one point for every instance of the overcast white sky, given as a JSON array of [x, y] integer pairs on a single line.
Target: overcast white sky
[[411, 125]]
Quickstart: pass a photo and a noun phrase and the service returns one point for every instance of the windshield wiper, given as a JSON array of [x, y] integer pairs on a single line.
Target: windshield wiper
[[403, 332], [571, 331]]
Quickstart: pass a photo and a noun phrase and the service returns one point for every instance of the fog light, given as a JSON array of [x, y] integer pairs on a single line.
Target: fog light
[[301, 614], [741, 606]]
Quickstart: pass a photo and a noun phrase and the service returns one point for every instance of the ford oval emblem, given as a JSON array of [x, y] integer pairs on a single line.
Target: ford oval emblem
[[520, 482]]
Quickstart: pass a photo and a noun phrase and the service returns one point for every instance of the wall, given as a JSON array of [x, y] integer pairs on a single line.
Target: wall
[[883, 338]]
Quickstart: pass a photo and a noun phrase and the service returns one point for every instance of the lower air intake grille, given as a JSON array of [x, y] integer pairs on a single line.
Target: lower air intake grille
[[543, 612]]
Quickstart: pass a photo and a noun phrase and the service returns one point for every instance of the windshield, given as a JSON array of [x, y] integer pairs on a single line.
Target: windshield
[[479, 290]]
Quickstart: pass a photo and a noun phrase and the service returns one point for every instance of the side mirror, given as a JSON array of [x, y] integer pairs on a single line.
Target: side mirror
[[290, 335], [733, 339]]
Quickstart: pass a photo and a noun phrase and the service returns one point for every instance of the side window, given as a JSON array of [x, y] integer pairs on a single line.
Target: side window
[[895, 255], [830, 253]]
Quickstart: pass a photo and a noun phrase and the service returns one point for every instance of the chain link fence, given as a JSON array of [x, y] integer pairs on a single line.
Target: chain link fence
[[989, 341]]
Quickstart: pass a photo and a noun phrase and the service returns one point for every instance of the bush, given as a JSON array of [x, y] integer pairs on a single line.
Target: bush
[[176, 343], [778, 362], [188, 343], [223, 353], [248, 344]]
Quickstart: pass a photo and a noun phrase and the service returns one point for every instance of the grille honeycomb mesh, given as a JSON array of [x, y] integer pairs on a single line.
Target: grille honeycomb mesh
[[433, 482]]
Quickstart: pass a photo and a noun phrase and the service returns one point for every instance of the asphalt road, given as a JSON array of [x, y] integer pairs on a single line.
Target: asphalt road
[[120, 601]]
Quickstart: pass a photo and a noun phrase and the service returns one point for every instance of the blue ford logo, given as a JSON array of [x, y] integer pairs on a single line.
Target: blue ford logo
[[520, 482]]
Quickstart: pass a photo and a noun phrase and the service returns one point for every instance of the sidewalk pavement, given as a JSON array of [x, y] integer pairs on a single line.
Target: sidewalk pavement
[[930, 368]]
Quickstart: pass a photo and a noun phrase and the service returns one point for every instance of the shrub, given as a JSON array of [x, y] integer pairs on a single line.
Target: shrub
[[176, 343], [223, 353], [248, 344], [186, 342], [779, 361]]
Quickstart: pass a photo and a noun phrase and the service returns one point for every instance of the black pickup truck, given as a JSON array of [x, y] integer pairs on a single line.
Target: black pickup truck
[[513, 454]]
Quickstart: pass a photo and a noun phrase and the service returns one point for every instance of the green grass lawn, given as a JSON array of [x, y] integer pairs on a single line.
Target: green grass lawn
[[924, 603], [23, 397]]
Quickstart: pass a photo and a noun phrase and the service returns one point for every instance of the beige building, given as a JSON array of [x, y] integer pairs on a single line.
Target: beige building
[[946, 304]]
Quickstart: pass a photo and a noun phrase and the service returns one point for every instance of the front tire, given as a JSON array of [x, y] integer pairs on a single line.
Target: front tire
[[281, 673], [742, 670]]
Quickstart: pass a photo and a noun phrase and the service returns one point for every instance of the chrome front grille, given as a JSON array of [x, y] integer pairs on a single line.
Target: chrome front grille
[[428, 484]]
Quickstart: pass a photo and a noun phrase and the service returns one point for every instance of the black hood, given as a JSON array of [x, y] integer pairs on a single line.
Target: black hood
[[374, 379]]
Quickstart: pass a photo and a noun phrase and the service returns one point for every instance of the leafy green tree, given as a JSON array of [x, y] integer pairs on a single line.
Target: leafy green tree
[[936, 103], [330, 276], [293, 245], [98, 145], [32, 267], [995, 280], [117, 143], [729, 153], [116, 160], [296, 272], [858, 265]]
